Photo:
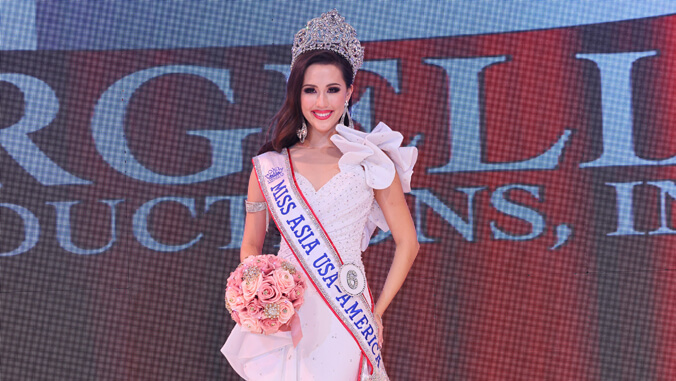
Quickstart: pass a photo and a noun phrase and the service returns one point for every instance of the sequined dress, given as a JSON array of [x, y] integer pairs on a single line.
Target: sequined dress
[[346, 207]]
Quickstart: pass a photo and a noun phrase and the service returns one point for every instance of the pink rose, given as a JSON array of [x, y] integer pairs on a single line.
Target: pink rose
[[286, 310], [254, 308], [274, 261], [296, 292], [284, 280], [250, 287], [235, 316], [250, 324], [260, 261], [235, 277], [268, 291], [234, 299], [269, 326], [297, 296], [298, 301]]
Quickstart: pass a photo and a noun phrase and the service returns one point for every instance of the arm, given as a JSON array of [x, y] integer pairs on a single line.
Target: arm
[[254, 226], [398, 217]]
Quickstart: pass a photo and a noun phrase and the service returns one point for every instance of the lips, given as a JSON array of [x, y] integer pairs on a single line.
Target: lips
[[322, 115]]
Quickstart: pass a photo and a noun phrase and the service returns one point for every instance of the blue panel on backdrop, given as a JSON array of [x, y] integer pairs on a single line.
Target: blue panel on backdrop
[[105, 25]]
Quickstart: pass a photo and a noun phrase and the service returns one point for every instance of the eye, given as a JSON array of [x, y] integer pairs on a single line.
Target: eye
[[334, 89], [309, 90]]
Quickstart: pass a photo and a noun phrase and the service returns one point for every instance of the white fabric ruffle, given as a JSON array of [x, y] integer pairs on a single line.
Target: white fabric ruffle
[[380, 154]]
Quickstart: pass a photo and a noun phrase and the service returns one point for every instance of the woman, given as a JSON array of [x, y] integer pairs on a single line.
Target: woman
[[351, 182]]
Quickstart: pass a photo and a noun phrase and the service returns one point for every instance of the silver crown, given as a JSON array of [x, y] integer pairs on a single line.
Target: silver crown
[[329, 31]]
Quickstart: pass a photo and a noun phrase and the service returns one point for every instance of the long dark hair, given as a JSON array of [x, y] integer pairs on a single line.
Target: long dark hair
[[282, 131]]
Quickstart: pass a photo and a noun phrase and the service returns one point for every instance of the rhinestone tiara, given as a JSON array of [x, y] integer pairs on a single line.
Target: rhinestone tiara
[[329, 31]]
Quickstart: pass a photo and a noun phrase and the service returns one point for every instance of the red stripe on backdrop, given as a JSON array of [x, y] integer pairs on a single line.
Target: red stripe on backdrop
[[658, 118], [521, 289], [531, 310], [528, 304]]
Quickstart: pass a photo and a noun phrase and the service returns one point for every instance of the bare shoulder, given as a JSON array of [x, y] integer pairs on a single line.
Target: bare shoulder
[[254, 193]]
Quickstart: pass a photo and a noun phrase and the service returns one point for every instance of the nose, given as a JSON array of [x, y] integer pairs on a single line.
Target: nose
[[322, 100]]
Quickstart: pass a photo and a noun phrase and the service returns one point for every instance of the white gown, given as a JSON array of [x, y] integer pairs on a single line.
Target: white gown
[[346, 208]]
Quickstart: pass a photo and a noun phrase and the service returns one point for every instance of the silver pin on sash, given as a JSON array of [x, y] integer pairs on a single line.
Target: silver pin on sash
[[352, 279]]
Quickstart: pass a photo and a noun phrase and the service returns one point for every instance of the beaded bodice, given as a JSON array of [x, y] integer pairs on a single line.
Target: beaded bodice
[[342, 206], [345, 205]]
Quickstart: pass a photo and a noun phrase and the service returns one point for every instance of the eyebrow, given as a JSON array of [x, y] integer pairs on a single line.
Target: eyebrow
[[330, 84]]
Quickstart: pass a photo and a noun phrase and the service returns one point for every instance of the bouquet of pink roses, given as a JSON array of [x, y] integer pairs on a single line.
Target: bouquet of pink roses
[[263, 292]]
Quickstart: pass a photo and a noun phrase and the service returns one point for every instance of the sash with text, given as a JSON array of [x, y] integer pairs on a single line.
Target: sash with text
[[319, 258]]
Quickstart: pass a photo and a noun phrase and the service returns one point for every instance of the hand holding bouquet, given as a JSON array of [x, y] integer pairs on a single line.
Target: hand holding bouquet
[[263, 292]]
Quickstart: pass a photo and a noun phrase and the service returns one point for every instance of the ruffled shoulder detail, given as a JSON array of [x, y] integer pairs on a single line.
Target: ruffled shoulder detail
[[379, 152], [381, 155]]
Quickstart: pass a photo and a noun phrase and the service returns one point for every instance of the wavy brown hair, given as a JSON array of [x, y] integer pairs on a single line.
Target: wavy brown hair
[[282, 131]]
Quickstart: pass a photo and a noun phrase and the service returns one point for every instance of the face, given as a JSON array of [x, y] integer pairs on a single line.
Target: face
[[323, 97]]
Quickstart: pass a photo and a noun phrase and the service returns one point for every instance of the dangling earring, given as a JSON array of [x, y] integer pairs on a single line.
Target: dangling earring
[[302, 132], [347, 119]]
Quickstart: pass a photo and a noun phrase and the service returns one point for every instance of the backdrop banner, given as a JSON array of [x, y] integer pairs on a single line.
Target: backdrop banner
[[542, 199]]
